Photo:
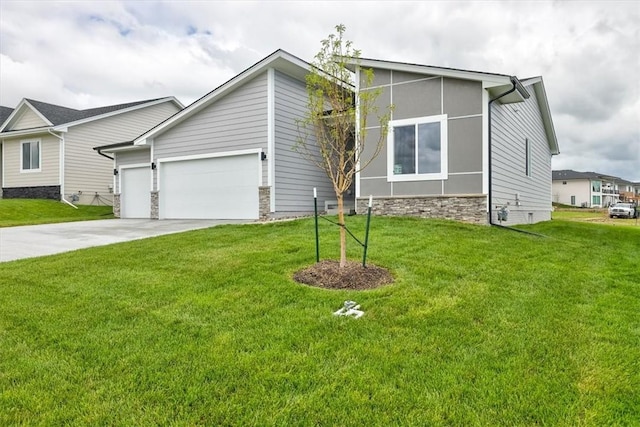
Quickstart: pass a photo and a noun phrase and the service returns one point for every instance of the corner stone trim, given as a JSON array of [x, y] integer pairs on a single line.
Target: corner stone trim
[[264, 202], [464, 208], [116, 205], [155, 205]]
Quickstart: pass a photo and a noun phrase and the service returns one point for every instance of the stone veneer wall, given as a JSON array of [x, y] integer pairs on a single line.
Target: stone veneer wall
[[264, 195], [40, 192], [116, 205], [465, 208], [155, 205]]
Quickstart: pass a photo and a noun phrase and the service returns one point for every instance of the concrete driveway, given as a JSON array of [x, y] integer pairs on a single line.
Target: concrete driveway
[[38, 240]]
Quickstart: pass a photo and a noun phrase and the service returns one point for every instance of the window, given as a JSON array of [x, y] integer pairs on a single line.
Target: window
[[564, 182], [417, 149], [527, 155], [596, 186], [30, 156], [596, 200], [573, 200]]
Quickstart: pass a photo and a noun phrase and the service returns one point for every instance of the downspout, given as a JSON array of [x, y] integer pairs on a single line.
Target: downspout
[[104, 155], [62, 199]]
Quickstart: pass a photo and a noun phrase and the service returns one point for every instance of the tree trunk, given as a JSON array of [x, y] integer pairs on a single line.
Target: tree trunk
[[343, 233]]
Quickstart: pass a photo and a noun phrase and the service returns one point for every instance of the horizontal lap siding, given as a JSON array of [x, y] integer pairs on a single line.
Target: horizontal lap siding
[[49, 163], [237, 121], [85, 169], [295, 177], [511, 125]]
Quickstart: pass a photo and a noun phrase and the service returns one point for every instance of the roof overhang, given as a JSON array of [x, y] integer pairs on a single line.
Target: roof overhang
[[545, 111], [19, 110], [119, 147], [279, 60], [25, 132]]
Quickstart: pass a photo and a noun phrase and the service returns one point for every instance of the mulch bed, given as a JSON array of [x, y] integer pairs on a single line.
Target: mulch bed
[[328, 274]]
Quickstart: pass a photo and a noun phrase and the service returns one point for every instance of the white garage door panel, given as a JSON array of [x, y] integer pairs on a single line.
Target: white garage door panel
[[215, 188], [135, 198]]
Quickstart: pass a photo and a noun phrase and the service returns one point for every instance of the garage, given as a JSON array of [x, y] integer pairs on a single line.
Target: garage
[[210, 188], [135, 194]]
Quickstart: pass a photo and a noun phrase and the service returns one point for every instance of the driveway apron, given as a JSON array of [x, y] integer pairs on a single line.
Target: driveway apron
[[47, 239]]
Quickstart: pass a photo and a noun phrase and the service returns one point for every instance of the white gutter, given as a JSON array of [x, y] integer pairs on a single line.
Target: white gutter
[[61, 169]]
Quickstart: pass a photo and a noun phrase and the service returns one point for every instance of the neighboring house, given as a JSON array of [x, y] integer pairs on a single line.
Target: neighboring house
[[462, 145], [229, 155], [46, 150], [591, 189]]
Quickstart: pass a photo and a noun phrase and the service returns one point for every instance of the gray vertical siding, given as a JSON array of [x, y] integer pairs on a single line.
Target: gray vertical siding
[[511, 125], [90, 173], [294, 177], [414, 96]]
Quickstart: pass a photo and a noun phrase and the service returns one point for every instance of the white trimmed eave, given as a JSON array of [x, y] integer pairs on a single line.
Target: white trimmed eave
[[18, 111], [279, 60], [124, 148], [545, 111], [64, 126], [495, 84], [24, 132]]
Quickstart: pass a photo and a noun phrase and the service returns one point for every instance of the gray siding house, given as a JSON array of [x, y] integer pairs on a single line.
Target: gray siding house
[[228, 155], [461, 145], [46, 150]]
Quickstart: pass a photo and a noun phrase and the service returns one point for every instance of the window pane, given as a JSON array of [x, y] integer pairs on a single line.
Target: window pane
[[26, 156], [429, 148], [35, 155], [404, 150]]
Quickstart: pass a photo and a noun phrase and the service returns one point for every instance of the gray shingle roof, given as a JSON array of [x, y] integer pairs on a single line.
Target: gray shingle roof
[[59, 115], [5, 112], [568, 174]]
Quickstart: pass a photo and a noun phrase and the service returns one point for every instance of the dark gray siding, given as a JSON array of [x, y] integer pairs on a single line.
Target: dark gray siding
[[414, 96], [294, 176], [511, 125]]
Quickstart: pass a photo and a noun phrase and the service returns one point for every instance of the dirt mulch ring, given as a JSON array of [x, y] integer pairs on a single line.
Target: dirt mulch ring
[[328, 274]]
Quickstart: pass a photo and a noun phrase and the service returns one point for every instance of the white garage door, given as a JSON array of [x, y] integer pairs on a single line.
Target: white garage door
[[135, 195], [213, 188]]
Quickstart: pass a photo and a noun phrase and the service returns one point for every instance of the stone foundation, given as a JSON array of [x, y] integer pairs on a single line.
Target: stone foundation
[[41, 192], [116, 205], [155, 205], [465, 208], [264, 203]]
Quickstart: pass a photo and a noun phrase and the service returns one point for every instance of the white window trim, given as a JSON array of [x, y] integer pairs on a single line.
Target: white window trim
[[443, 174], [29, 141]]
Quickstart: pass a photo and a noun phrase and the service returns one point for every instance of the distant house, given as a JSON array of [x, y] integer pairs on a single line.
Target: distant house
[[591, 189], [46, 150], [462, 145], [226, 156]]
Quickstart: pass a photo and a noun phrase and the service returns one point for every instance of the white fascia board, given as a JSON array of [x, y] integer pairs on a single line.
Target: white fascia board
[[279, 60], [496, 79], [18, 111], [117, 112], [23, 132], [545, 111]]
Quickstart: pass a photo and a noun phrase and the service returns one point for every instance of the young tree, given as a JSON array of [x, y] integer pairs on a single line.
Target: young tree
[[333, 132]]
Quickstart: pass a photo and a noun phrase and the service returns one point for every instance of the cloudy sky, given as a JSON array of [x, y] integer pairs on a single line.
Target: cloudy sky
[[83, 54]]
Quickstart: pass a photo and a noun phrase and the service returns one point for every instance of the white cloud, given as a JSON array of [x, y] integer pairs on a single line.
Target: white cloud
[[85, 54]]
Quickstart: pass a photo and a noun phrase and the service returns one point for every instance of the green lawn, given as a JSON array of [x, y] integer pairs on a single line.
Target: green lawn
[[484, 326], [15, 212]]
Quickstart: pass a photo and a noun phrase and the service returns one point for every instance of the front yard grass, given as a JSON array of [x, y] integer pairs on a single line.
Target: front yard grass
[[483, 326], [14, 212]]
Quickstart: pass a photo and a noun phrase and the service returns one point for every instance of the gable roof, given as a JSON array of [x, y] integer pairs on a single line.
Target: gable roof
[[280, 60], [59, 116], [545, 111], [5, 112]]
